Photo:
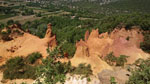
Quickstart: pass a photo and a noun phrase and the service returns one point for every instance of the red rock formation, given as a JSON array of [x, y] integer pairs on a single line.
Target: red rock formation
[[51, 38], [86, 35], [96, 46], [49, 31]]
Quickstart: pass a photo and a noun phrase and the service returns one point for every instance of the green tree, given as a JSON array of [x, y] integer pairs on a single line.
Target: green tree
[[16, 68], [145, 45], [118, 61], [38, 14], [10, 22], [141, 74], [121, 60], [53, 71], [110, 58]]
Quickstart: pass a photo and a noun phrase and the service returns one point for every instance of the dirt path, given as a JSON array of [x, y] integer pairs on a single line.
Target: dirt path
[[21, 19]]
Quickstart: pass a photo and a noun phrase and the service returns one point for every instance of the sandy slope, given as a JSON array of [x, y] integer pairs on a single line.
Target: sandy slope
[[25, 45]]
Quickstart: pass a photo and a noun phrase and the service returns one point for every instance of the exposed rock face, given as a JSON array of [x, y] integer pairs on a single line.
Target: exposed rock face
[[86, 54], [27, 44], [127, 42], [76, 79], [49, 31], [121, 76], [50, 37], [97, 46]]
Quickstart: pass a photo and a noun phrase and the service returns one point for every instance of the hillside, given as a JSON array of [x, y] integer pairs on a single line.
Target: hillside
[[25, 44], [92, 50], [74, 42]]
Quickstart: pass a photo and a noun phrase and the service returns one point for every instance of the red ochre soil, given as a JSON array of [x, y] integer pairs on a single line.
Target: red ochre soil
[[96, 46]]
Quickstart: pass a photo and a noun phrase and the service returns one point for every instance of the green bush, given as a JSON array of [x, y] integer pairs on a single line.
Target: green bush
[[118, 61], [10, 22], [27, 12], [18, 68], [38, 14], [121, 60], [53, 71], [112, 80], [141, 74], [2, 26], [31, 58], [82, 69], [12, 68], [110, 58], [145, 45]]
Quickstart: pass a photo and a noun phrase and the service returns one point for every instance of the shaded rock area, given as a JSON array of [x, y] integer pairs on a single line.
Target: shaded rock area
[[25, 44], [121, 76], [80, 80], [96, 46]]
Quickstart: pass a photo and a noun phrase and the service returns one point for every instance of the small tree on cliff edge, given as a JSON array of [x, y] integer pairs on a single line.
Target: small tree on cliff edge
[[52, 70]]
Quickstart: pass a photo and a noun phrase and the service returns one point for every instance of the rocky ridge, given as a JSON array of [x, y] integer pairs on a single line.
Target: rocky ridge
[[96, 46]]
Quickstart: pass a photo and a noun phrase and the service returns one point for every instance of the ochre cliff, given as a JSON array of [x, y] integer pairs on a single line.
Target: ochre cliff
[[96, 46], [26, 44]]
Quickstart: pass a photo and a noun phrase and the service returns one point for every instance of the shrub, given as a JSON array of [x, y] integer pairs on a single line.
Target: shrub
[[10, 22], [31, 58], [2, 26], [110, 59], [38, 14], [83, 69], [145, 45], [141, 74], [118, 61], [28, 12], [121, 60], [52, 70], [112, 80], [16, 68], [12, 68]]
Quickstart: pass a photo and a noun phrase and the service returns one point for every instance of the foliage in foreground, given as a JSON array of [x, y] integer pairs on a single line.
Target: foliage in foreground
[[145, 45], [21, 68], [31, 58], [51, 68], [141, 74], [53, 71]]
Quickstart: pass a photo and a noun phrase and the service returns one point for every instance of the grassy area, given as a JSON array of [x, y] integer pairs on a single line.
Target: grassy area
[[6, 16]]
